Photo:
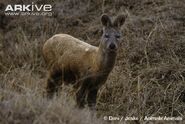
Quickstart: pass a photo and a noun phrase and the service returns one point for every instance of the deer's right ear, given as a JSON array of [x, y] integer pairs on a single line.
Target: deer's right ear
[[119, 21], [105, 20]]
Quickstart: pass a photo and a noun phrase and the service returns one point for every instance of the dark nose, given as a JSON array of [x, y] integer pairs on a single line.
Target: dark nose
[[112, 46]]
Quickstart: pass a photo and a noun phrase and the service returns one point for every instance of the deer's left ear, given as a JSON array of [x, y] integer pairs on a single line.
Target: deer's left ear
[[106, 21], [119, 21]]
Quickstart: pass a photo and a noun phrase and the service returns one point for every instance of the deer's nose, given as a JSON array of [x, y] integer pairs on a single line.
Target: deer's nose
[[112, 46]]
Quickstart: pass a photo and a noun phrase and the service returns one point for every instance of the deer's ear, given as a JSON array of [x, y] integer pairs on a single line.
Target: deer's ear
[[105, 20], [119, 21]]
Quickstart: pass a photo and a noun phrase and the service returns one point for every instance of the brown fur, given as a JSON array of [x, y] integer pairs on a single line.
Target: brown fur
[[71, 60]]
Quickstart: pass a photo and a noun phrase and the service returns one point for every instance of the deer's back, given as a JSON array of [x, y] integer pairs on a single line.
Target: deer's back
[[69, 51]]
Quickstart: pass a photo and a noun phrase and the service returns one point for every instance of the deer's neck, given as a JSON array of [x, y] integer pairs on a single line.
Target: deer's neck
[[106, 60]]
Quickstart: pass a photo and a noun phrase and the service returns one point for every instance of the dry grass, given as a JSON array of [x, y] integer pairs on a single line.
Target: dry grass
[[148, 78]]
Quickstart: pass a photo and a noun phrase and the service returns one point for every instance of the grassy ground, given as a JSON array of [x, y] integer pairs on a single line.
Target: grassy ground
[[147, 80]]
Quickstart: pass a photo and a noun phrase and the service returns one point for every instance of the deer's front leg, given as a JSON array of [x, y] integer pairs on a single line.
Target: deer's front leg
[[80, 96], [91, 97], [83, 92]]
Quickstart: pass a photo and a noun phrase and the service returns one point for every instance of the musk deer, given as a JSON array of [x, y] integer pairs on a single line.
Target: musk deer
[[72, 61]]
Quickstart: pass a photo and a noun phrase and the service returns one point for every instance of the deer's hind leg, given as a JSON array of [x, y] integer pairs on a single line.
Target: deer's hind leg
[[54, 82]]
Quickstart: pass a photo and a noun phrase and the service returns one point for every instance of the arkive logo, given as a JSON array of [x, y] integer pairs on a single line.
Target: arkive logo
[[29, 9]]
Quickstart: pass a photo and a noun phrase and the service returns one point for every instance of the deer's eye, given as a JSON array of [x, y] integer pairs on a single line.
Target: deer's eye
[[118, 36], [106, 36]]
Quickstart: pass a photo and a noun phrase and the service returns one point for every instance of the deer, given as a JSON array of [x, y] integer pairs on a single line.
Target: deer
[[86, 67]]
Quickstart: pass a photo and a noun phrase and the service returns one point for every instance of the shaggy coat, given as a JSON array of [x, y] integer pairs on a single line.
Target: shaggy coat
[[72, 61]]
